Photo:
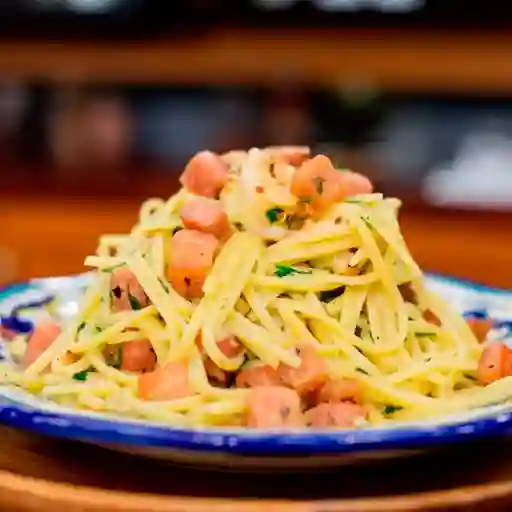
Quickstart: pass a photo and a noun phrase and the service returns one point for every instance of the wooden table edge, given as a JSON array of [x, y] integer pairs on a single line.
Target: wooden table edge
[[35, 494]]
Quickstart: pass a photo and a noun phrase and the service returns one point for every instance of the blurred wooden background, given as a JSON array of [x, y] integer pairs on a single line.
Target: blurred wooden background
[[47, 228]]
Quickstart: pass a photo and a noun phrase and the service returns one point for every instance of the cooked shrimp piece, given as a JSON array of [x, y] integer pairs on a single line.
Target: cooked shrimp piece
[[273, 407], [44, 334], [293, 155], [230, 347], [320, 184], [340, 390], [191, 256], [169, 382], [343, 414], [309, 376], [126, 292], [495, 363], [480, 327], [355, 183], [138, 356], [206, 215], [257, 375], [205, 174]]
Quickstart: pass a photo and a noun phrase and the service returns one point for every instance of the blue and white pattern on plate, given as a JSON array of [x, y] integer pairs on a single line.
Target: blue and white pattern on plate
[[59, 297]]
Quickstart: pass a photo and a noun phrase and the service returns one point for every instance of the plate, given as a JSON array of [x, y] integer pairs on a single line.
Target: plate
[[59, 297]]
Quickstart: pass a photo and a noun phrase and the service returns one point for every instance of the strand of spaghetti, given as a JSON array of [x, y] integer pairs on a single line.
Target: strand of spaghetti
[[294, 326], [216, 355], [306, 252], [420, 369], [222, 288], [379, 266], [259, 308], [316, 281], [97, 361], [66, 339], [173, 308], [109, 335], [158, 337], [256, 339], [103, 263]]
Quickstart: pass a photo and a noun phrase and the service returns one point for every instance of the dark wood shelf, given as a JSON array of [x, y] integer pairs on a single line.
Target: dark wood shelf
[[417, 60]]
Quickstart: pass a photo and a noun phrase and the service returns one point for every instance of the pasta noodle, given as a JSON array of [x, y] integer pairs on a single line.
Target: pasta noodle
[[299, 293]]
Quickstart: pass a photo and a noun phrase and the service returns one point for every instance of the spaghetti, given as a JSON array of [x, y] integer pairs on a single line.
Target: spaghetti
[[272, 290]]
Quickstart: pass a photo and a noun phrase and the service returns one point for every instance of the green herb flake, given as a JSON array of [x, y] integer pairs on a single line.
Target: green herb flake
[[284, 270], [470, 377], [391, 409], [353, 200], [305, 200], [80, 327], [360, 370], [164, 285], [273, 214], [98, 329], [109, 270], [81, 375], [134, 302], [319, 185]]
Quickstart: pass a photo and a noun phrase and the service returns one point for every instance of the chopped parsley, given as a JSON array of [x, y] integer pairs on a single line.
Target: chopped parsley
[[273, 214], [134, 302], [319, 185], [360, 370], [81, 375], [164, 285], [391, 409], [108, 270], [98, 329], [284, 270], [354, 200], [80, 327], [470, 377]]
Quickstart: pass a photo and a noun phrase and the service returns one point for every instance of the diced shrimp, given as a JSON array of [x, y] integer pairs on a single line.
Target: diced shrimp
[[257, 375], [126, 292], [206, 215], [230, 347], [205, 174], [495, 363], [44, 334], [355, 183], [343, 414], [191, 257], [316, 182], [293, 155], [138, 356], [340, 390], [309, 376], [273, 407], [234, 158], [480, 327], [166, 383]]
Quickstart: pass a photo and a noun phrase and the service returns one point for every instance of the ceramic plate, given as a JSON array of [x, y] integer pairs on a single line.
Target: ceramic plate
[[21, 305]]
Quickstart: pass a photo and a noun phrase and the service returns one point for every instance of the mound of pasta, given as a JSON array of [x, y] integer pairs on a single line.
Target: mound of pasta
[[272, 291]]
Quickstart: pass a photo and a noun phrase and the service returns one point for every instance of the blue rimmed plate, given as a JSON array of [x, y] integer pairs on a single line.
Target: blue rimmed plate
[[21, 305]]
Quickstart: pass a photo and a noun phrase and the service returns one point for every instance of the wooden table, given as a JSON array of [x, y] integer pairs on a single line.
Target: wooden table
[[44, 474]]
